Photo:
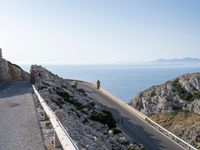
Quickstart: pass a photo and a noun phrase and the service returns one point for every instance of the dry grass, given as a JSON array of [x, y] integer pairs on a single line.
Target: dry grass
[[184, 124], [176, 119]]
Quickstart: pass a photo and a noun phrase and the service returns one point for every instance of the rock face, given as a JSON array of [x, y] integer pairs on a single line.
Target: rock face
[[181, 93], [9, 71], [175, 105], [89, 123]]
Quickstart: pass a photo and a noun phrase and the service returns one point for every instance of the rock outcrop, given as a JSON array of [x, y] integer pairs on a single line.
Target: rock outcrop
[[175, 105], [9, 71], [88, 122], [180, 93]]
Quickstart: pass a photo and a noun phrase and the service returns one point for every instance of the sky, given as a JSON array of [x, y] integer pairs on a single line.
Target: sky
[[98, 31]]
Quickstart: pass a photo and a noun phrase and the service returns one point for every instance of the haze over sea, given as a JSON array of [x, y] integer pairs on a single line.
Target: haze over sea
[[123, 81]]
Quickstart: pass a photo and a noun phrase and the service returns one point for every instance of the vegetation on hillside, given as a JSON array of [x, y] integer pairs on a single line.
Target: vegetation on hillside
[[183, 93], [104, 117], [69, 99]]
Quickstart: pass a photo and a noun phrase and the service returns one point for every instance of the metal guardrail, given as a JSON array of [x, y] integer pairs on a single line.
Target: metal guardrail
[[156, 126], [65, 140], [123, 104]]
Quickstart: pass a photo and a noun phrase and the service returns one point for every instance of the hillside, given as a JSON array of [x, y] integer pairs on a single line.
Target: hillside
[[89, 123], [175, 105]]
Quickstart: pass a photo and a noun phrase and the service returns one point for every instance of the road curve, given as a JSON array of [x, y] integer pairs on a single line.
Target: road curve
[[19, 128], [133, 126]]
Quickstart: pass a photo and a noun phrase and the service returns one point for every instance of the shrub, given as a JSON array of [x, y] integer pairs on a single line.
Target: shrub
[[70, 99], [41, 88], [104, 117], [153, 93], [82, 91], [181, 92], [196, 95], [176, 108], [78, 105], [116, 131], [63, 94], [134, 148]]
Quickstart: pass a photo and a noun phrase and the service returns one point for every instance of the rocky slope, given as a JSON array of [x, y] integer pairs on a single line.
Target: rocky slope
[[180, 93], [9, 71], [175, 105], [89, 123]]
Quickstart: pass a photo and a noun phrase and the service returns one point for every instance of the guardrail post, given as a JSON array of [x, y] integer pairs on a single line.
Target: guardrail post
[[46, 116], [61, 136], [57, 143]]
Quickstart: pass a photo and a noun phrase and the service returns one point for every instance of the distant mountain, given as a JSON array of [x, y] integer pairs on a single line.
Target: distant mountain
[[178, 61], [164, 62]]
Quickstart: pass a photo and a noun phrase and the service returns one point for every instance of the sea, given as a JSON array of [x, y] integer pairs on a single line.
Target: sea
[[123, 81]]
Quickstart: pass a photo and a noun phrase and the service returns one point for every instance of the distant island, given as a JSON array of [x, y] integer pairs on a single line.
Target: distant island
[[165, 62], [178, 61]]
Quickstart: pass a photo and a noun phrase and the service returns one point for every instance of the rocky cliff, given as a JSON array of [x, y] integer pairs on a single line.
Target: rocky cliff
[[180, 93], [88, 122], [9, 71], [175, 105]]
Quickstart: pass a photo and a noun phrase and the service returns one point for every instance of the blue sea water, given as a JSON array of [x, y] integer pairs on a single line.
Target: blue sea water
[[123, 81]]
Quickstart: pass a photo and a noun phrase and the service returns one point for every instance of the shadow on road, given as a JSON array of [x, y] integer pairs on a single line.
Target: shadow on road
[[134, 131], [14, 88]]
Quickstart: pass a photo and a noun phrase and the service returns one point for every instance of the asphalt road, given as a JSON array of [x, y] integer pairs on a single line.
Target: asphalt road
[[19, 128], [133, 126]]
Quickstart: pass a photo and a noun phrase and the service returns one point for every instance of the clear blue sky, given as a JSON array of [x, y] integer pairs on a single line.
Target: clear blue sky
[[98, 31]]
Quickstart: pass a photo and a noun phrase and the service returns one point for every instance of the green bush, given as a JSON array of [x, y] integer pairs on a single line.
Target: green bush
[[82, 91], [41, 88], [70, 99], [63, 94], [181, 92], [153, 93], [176, 108], [196, 95], [78, 105], [116, 131], [134, 148], [104, 117]]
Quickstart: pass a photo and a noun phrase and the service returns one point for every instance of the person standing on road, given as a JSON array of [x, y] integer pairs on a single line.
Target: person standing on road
[[98, 84]]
